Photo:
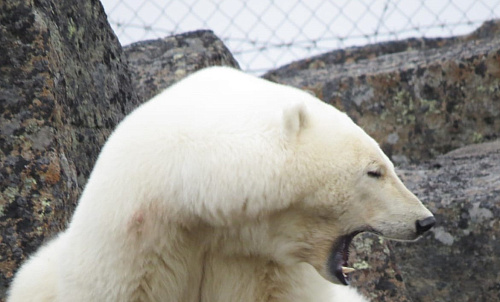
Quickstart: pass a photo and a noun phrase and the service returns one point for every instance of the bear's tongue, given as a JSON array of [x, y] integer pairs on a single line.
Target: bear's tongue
[[338, 260]]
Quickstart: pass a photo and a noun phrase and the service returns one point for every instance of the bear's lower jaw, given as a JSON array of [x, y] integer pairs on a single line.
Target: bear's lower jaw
[[337, 263]]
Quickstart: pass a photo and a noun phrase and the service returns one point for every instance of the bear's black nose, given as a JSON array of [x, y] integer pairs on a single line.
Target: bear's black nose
[[425, 224]]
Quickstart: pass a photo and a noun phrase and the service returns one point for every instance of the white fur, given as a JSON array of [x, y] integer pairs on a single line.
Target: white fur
[[224, 187]]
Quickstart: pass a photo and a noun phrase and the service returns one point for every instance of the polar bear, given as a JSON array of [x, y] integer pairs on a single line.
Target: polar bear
[[225, 187]]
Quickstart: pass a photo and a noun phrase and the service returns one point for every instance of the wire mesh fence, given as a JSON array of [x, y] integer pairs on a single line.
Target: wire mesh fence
[[265, 34]]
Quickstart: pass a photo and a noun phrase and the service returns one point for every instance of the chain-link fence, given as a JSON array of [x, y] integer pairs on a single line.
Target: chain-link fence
[[266, 34]]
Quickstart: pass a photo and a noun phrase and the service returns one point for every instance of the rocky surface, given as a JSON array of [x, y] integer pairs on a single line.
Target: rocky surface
[[419, 98], [157, 64], [64, 85], [458, 260]]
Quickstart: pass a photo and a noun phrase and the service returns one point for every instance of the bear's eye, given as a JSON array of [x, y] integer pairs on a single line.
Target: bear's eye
[[374, 174]]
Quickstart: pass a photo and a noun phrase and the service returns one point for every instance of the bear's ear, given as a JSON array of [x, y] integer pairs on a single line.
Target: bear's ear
[[294, 119]]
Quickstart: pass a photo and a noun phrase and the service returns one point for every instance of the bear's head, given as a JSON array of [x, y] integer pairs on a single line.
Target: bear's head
[[354, 189], [347, 186]]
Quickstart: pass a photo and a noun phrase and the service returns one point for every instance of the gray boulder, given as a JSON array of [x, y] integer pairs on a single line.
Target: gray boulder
[[64, 85], [157, 64], [419, 97], [460, 259]]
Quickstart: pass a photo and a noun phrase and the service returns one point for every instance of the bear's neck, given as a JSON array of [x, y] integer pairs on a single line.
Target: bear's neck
[[188, 270], [243, 279], [203, 263]]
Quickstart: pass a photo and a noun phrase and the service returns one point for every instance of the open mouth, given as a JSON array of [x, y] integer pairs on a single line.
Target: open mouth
[[338, 265]]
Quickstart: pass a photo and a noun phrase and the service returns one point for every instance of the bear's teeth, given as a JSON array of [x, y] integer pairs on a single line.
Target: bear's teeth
[[347, 270]]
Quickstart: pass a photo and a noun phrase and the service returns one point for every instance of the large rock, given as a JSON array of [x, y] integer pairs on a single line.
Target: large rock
[[419, 97], [157, 64], [460, 259], [64, 85]]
